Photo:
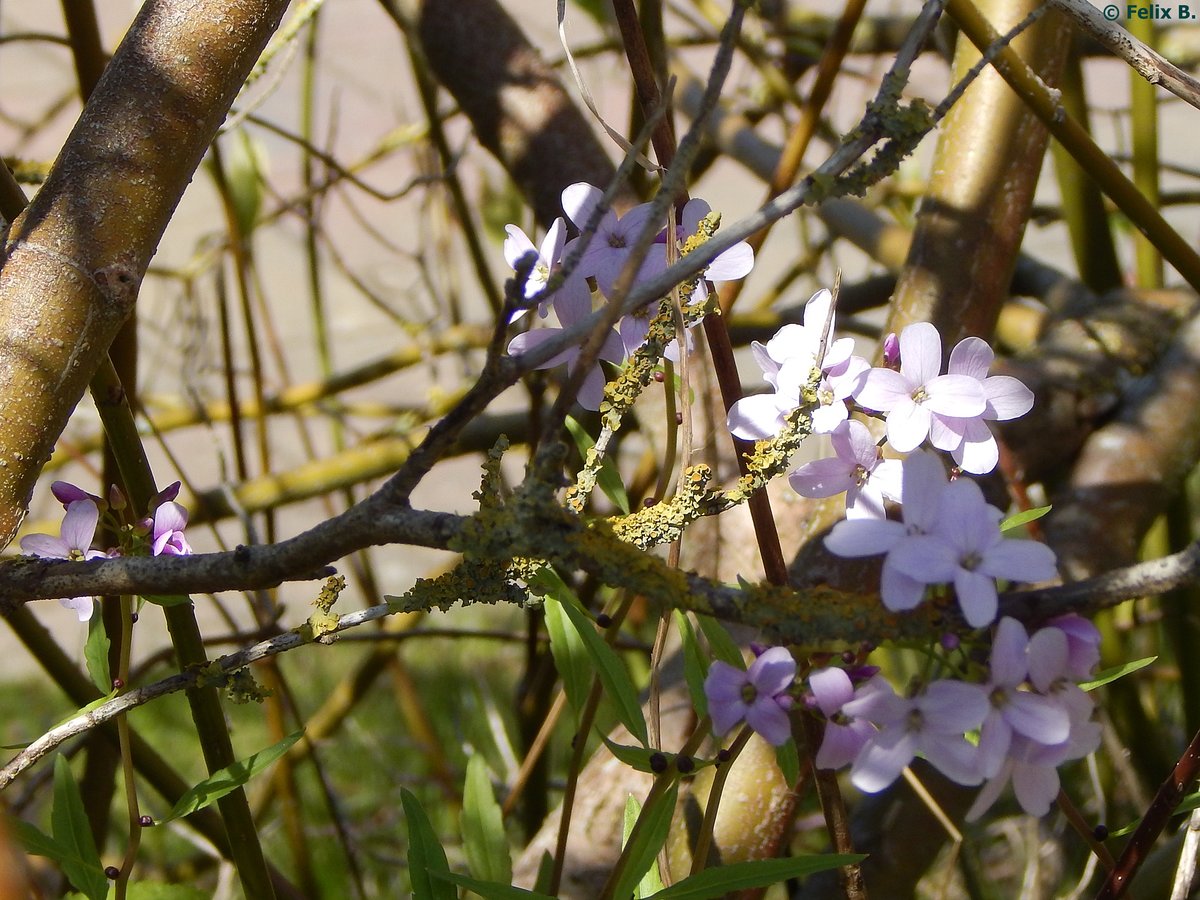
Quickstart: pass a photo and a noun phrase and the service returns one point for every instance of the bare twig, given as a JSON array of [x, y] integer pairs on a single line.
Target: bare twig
[[1150, 65]]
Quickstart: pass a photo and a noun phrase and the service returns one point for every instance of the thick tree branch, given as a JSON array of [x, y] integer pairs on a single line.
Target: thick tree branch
[[73, 262]]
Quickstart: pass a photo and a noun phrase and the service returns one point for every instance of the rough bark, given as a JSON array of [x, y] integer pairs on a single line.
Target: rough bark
[[516, 104], [72, 264]]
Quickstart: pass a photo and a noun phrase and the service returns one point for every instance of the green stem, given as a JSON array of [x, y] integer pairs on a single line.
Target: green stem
[[704, 841], [1143, 111], [127, 768], [1079, 144], [205, 701], [1082, 203], [661, 784]]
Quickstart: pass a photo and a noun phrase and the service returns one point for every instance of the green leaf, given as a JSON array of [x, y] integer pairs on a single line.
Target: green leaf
[[635, 757], [756, 873], [617, 685], [228, 779], [639, 757], [1186, 805], [545, 872], [1108, 675], [95, 653], [426, 858], [570, 654], [652, 880], [695, 664], [484, 840], [1016, 520], [608, 478], [787, 757], [489, 890], [35, 841], [720, 643], [644, 849], [166, 599], [69, 828]]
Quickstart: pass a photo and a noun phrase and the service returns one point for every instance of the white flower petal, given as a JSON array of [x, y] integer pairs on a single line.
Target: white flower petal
[[1007, 398], [755, 418], [971, 356], [920, 353]]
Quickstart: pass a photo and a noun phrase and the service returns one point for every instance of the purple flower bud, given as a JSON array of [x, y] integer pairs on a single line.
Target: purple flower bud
[[950, 641], [862, 673], [166, 495], [116, 498], [891, 351], [66, 493]]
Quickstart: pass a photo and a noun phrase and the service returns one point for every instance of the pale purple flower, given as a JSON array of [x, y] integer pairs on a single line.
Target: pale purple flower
[[1032, 768], [845, 735], [167, 537], [838, 385], [1083, 644], [923, 482], [571, 309], [787, 362], [911, 396], [757, 694], [1016, 711], [518, 245], [970, 440], [572, 298], [1031, 760], [591, 391], [931, 724], [76, 534], [965, 547], [857, 470], [730, 265], [612, 244]]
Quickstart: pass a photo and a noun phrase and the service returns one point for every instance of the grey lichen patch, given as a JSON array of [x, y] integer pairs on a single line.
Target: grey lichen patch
[[473, 581]]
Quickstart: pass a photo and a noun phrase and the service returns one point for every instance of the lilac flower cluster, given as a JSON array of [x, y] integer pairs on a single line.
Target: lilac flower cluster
[[603, 259], [1017, 724], [949, 534], [951, 410], [160, 534]]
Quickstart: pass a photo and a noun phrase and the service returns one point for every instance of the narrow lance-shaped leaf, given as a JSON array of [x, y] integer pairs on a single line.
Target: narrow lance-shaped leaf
[[646, 843], [95, 653], [741, 876], [652, 880], [488, 890], [70, 830], [570, 655], [617, 685], [695, 665], [484, 840], [426, 858], [720, 643], [232, 777]]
